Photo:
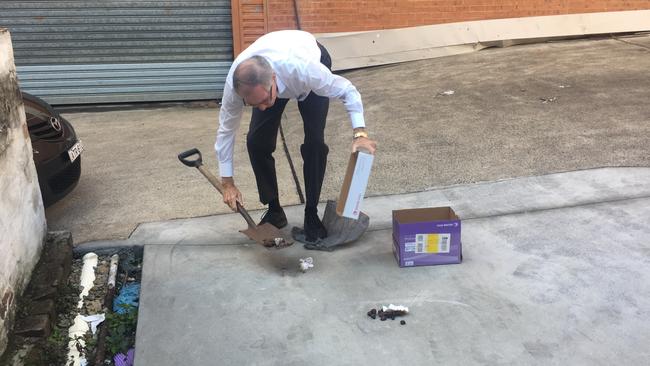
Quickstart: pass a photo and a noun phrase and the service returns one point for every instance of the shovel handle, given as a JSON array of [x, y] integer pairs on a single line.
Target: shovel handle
[[215, 182], [198, 163], [242, 211]]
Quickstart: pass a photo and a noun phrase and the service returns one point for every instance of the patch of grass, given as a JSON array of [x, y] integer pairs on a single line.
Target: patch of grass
[[121, 329]]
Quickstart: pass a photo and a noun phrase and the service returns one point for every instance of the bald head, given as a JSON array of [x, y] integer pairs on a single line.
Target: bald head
[[252, 72]]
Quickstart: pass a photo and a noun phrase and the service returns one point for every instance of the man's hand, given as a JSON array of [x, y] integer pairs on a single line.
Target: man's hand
[[231, 195], [364, 143]]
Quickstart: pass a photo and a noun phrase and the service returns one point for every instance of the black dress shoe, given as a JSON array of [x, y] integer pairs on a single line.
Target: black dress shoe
[[314, 228], [275, 218]]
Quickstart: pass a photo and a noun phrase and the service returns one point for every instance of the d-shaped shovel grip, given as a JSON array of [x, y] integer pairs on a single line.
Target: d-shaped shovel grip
[[198, 163], [191, 163]]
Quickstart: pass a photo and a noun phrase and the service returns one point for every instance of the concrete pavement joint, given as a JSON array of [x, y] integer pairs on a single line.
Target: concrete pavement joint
[[105, 246], [585, 204], [539, 210], [631, 43], [471, 202], [505, 180]]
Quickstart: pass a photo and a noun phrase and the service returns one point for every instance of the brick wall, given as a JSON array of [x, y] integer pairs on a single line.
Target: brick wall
[[323, 16]]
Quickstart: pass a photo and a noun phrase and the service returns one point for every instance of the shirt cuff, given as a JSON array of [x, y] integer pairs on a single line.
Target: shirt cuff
[[357, 120], [225, 169]]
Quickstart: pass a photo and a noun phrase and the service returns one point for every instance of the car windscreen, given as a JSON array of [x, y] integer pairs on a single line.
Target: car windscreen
[[35, 113]]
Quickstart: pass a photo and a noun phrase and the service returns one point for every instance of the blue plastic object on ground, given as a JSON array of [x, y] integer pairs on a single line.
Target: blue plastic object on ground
[[127, 299]]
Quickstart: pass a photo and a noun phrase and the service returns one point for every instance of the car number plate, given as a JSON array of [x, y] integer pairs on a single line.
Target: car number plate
[[75, 151]]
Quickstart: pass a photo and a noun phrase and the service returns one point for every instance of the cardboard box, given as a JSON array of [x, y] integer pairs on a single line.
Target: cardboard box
[[426, 236], [354, 185]]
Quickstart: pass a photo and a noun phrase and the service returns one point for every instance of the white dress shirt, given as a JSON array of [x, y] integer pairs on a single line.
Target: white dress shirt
[[295, 58]]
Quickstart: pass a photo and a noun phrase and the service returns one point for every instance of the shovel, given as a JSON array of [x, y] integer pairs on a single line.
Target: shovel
[[266, 234], [340, 230]]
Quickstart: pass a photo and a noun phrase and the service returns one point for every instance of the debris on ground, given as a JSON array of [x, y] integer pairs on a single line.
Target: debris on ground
[[122, 321], [548, 100], [398, 308], [306, 263], [447, 92], [389, 312], [402, 322], [94, 320], [128, 298], [275, 243], [127, 359]]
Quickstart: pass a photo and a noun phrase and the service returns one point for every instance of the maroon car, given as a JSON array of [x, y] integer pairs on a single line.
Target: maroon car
[[56, 148]]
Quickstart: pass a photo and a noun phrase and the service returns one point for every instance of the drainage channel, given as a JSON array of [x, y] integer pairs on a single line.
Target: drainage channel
[[80, 308]]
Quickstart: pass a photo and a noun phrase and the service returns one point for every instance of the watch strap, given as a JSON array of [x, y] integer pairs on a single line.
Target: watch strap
[[358, 134]]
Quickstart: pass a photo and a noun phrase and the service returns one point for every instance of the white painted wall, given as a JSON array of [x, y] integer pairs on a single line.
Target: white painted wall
[[22, 217], [370, 48]]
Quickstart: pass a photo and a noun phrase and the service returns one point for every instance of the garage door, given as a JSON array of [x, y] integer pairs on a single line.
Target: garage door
[[116, 51]]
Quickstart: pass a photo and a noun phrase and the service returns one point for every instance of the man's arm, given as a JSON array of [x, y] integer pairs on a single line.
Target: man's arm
[[229, 120], [323, 82]]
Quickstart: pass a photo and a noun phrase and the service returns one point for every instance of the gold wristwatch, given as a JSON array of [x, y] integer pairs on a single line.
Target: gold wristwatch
[[360, 134]]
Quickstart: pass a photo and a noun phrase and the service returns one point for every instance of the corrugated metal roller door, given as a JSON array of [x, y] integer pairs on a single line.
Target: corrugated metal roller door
[[82, 51]]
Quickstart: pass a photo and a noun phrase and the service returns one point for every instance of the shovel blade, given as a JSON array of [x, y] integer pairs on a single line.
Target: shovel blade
[[268, 236], [340, 230]]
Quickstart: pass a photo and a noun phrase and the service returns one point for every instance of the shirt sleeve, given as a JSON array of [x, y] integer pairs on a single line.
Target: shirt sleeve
[[324, 83], [229, 120]]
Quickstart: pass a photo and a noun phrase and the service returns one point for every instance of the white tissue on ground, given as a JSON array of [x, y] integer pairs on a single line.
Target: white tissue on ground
[[306, 263], [395, 308], [94, 321]]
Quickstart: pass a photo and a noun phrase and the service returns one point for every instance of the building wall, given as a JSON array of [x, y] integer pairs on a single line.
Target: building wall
[[328, 16], [253, 18], [22, 218]]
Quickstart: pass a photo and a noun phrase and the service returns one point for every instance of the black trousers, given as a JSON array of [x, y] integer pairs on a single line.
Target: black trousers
[[263, 135]]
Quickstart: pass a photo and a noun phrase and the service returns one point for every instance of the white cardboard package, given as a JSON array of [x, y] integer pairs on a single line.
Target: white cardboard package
[[354, 185]]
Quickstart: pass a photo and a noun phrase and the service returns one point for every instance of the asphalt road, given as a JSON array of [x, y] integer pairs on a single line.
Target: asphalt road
[[515, 112]]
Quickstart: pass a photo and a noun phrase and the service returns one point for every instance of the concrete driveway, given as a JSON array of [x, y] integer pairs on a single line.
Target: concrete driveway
[[515, 112], [555, 272]]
